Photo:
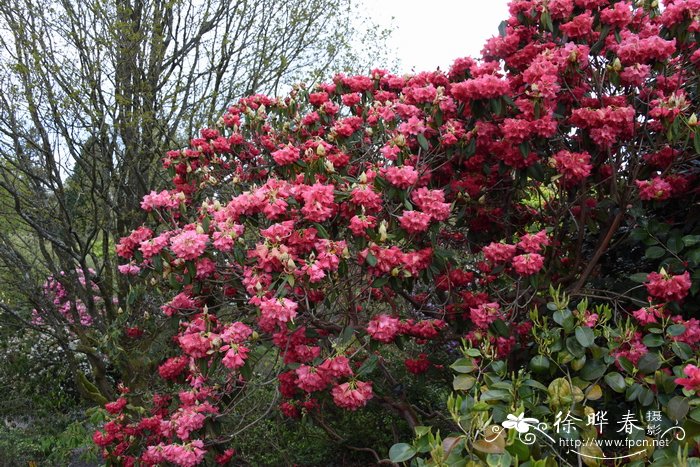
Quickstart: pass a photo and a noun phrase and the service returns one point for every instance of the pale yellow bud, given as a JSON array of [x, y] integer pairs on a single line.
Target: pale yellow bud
[[382, 231], [617, 64], [200, 229], [329, 166], [321, 150], [693, 120], [363, 178]]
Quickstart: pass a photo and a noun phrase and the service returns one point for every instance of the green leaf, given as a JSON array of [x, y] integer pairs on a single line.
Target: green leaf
[[626, 364], [639, 278], [423, 141], [519, 450], [500, 327], [539, 363], [463, 365], [677, 408], [534, 384], [675, 330], [499, 460], [347, 335], [695, 415], [593, 369], [675, 244], [653, 340], [649, 363], [633, 392], [616, 381], [368, 366], [645, 397], [322, 232], [546, 21], [654, 252], [690, 240], [585, 336], [401, 452], [502, 28], [463, 382], [682, 350], [473, 352], [371, 259], [574, 348], [565, 319], [495, 395]]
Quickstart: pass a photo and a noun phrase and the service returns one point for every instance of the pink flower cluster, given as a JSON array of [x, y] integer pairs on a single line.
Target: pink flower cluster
[[485, 314], [189, 244], [163, 200], [667, 287], [692, 382], [574, 166], [352, 395], [655, 189], [526, 264], [384, 328]]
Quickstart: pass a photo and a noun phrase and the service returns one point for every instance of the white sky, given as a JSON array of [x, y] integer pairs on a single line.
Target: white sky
[[431, 33]]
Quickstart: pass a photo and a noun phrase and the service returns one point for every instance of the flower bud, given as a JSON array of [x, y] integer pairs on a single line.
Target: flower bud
[[693, 120], [617, 65], [329, 166], [321, 150], [382, 231], [200, 229]]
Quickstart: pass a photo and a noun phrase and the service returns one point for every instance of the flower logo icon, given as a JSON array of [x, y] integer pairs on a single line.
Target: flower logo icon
[[519, 422]]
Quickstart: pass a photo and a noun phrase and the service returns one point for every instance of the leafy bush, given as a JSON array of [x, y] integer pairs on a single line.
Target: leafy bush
[[330, 242]]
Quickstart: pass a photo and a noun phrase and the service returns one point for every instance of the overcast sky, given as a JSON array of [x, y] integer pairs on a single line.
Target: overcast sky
[[432, 33]]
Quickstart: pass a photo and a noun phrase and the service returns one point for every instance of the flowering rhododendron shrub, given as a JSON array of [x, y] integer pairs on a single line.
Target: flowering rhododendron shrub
[[308, 239]]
